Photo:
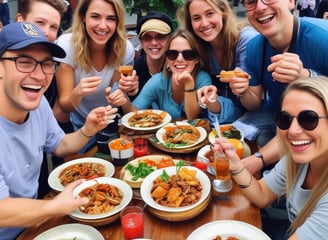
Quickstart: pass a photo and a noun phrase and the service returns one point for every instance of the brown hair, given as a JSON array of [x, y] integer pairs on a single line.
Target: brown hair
[[194, 46], [25, 6], [116, 46], [230, 32]]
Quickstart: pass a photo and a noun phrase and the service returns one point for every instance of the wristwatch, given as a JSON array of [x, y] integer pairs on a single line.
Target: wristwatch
[[260, 156], [312, 73]]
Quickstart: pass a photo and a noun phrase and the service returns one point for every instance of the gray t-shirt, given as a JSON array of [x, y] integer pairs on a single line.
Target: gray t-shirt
[[315, 227]]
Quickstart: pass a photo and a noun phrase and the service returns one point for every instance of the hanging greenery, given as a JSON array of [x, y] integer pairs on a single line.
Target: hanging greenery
[[141, 7]]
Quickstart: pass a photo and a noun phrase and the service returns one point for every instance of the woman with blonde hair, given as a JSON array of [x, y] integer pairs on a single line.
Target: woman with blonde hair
[[302, 172], [224, 41], [95, 46]]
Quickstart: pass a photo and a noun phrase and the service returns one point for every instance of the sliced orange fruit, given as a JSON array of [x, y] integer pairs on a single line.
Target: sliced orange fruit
[[239, 146]]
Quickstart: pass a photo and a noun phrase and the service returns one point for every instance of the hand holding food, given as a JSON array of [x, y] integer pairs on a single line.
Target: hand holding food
[[238, 80], [232, 73]]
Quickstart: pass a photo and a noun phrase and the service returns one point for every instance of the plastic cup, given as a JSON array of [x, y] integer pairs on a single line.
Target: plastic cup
[[140, 147], [132, 222], [222, 181]]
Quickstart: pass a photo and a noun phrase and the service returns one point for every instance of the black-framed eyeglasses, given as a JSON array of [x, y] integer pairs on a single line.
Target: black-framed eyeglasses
[[158, 38], [250, 5], [307, 119], [187, 54], [28, 64]]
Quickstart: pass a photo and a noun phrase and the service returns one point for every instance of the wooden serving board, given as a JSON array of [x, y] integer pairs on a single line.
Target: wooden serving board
[[181, 216], [154, 141]]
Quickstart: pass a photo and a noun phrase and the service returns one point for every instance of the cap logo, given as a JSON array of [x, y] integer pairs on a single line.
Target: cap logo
[[30, 30]]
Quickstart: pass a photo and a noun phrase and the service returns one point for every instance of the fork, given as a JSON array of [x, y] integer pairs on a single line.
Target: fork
[[217, 126]]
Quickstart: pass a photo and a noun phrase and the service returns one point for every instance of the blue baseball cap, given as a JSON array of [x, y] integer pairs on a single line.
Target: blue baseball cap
[[19, 35]]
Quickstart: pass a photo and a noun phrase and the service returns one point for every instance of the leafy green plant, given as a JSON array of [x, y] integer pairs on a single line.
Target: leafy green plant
[[141, 7]]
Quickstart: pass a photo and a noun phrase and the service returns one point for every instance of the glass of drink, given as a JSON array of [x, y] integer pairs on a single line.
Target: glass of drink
[[140, 147], [126, 70], [222, 181], [132, 222]]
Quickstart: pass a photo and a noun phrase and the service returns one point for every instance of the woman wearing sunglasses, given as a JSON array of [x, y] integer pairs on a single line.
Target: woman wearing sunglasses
[[174, 89], [223, 40], [302, 172]]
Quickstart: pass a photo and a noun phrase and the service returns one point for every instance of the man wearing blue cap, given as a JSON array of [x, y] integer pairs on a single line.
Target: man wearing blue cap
[[28, 127]]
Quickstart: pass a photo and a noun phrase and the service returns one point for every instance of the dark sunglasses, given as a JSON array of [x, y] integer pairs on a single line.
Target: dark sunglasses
[[158, 38], [187, 54], [307, 119]]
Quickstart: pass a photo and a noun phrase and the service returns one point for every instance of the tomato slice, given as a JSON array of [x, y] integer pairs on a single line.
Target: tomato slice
[[150, 163], [165, 162]]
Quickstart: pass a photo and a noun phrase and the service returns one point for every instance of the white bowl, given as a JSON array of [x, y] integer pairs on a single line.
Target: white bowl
[[148, 183], [120, 154], [124, 188]]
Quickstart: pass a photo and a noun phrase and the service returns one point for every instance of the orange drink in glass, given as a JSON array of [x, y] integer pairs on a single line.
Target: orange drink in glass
[[126, 70], [222, 181]]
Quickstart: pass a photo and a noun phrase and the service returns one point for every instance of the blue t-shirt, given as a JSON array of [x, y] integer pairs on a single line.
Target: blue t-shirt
[[22, 147], [312, 48], [157, 93], [232, 109]]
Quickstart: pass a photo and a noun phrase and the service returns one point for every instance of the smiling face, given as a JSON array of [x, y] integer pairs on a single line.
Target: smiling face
[[100, 22], [205, 20], [154, 44], [45, 17], [180, 64], [22, 92], [274, 20], [305, 145]]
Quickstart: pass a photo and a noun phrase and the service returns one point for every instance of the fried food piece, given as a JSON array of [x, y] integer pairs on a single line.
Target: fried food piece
[[232, 73]]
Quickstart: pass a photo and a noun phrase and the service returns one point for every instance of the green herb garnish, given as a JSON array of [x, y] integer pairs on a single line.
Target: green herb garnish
[[179, 165], [165, 177], [140, 171]]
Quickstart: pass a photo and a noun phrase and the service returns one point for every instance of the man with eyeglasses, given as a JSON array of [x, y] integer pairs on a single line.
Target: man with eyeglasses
[[28, 128], [287, 49]]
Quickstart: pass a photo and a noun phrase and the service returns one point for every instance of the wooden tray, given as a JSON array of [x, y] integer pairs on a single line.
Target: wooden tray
[[154, 142], [181, 216]]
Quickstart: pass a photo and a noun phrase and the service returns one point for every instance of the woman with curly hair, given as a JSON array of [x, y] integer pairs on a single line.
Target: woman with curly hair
[[95, 46]]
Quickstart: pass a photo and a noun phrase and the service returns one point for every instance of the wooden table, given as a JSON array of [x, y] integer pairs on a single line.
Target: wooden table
[[231, 206]]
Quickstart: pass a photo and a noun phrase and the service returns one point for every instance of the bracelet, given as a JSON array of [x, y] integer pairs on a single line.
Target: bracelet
[[260, 156], [190, 90], [85, 134], [246, 186], [234, 173]]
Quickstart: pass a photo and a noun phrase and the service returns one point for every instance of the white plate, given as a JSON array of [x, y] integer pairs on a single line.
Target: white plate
[[127, 176], [212, 134], [124, 188], [125, 120], [147, 184], [71, 231], [226, 228], [54, 181], [161, 132]]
